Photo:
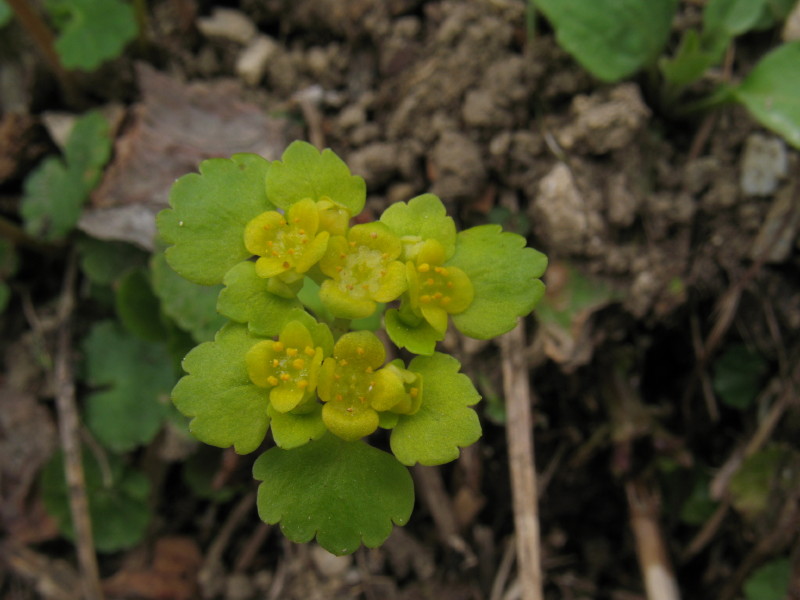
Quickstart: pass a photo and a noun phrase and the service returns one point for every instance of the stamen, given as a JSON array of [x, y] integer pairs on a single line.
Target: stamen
[[285, 377], [424, 268], [298, 363], [310, 351], [278, 346], [291, 352], [272, 380], [302, 384]]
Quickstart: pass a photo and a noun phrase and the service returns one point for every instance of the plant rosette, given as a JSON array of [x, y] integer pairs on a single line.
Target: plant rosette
[[297, 279]]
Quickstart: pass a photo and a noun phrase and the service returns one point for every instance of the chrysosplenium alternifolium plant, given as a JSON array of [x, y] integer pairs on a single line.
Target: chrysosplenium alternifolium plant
[[302, 288]]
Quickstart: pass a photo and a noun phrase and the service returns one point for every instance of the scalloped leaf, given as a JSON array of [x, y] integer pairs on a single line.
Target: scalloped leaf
[[445, 423], [193, 307], [505, 275], [246, 299], [118, 500], [227, 409], [305, 172], [137, 376], [419, 339], [209, 213], [344, 493], [138, 307], [423, 217]]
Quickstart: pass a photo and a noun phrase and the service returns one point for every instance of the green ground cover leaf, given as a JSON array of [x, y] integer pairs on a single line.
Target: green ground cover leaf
[[91, 32], [422, 218], [105, 262], [291, 430], [305, 172], [226, 408], [611, 38], [344, 493], [738, 373], [209, 213], [731, 17], [192, 306], [55, 192], [5, 13], [118, 505], [445, 423], [505, 275], [138, 307], [752, 486], [417, 337], [136, 377], [246, 299], [770, 581], [771, 92]]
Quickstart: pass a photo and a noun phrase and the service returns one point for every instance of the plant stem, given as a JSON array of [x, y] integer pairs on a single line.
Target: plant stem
[[519, 431]]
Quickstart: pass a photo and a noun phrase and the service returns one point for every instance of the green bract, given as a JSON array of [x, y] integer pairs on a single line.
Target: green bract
[[301, 286]]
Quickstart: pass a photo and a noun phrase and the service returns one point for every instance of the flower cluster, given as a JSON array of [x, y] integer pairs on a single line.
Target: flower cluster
[[304, 290]]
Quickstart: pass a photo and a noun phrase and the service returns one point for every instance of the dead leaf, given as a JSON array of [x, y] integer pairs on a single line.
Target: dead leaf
[[175, 127]]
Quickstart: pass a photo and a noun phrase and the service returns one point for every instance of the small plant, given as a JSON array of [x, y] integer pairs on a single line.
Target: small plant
[[614, 39], [302, 288]]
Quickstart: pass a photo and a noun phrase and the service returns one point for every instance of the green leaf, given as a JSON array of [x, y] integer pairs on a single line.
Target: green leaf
[[771, 92], [505, 275], [291, 430], [55, 192], [209, 213], [92, 32], [246, 299], [753, 485], [199, 472], [227, 409], [611, 38], [5, 13], [305, 172], [344, 493], [691, 60], [699, 506], [418, 337], [138, 308], [445, 423], [731, 17], [423, 218], [770, 581], [104, 262], [137, 377], [118, 505], [192, 306], [738, 373]]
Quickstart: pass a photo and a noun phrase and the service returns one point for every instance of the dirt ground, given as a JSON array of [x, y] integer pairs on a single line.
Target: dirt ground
[[667, 249]]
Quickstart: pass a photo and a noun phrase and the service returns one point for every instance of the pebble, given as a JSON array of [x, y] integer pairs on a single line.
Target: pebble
[[328, 564], [229, 24], [254, 58], [764, 164]]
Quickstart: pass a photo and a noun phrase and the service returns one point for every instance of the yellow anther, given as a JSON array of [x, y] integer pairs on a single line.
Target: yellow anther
[[278, 346], [352, 244], [309, 351], [272, 380], [267, 227], [429, 281], [339, 397], [343, 363], [384, 255], [298, 363], [365, 286], [383, 273], [413, 392], [368, 370], [437, 295], [302, 384], [425, 298], [275, 362], [342, 255], [373, 235], [304, 241], [336, 376], [349, 409], [286, 264], [339, 268], [291, 352], [301, 231], [296, 220], [362, 399], [270, 243], [290, 252], [275, 253], [285, 377], [446, 300], [424, 268], [449, 284], [360, 351], [441, 270]]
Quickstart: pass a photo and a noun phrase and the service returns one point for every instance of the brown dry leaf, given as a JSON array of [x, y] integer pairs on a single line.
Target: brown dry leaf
[[175, 127], [171, 576]]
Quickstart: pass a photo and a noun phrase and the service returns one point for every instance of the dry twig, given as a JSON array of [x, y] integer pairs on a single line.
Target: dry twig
[[519, 431]]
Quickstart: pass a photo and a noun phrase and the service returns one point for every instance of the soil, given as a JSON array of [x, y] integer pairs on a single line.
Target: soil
[[661, 259]]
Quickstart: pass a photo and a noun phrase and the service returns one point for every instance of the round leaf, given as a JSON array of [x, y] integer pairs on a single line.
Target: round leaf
[[424, 217], [305, 172], [344, 493], [227, 409], [505, 276], [444, 423], [209, 212]]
